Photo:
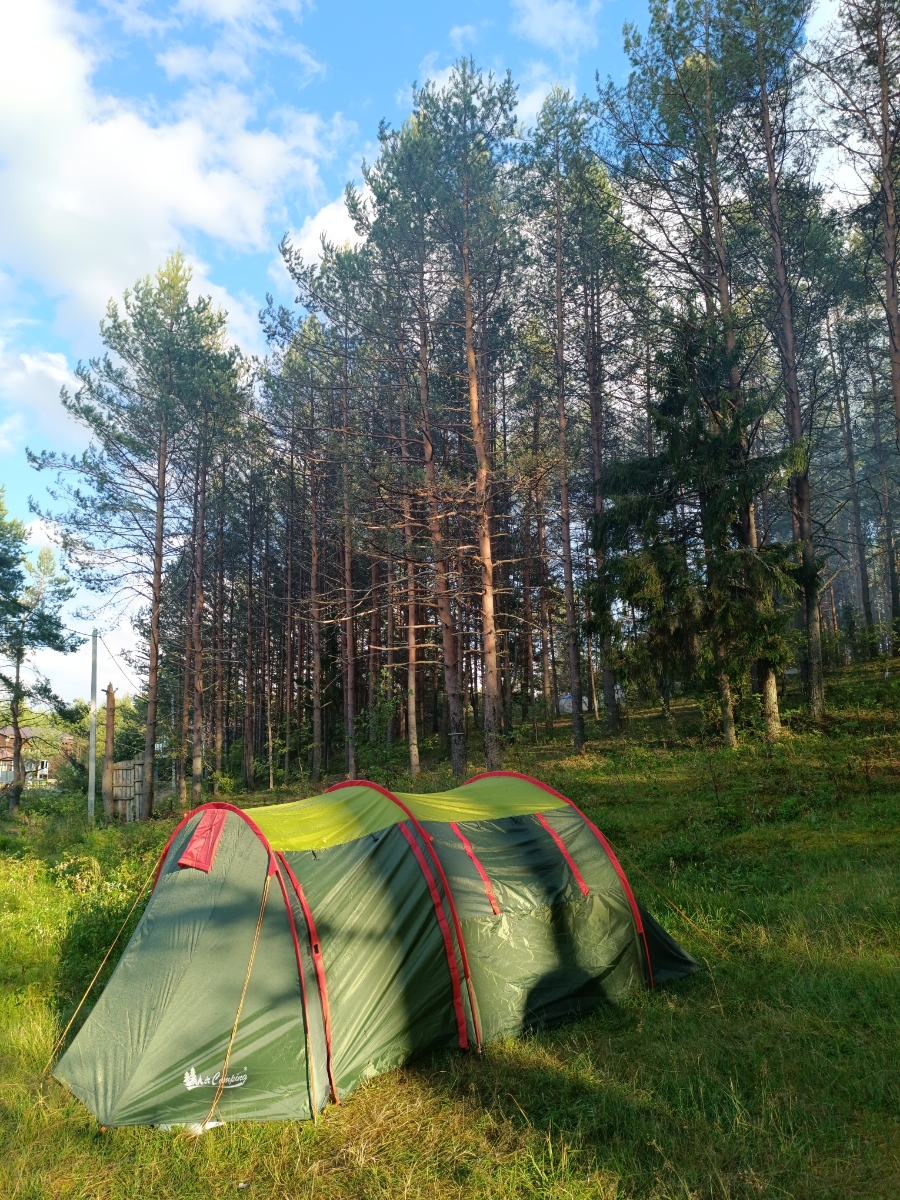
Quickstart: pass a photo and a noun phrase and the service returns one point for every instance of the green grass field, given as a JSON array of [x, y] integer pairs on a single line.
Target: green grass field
[[773, 1073]]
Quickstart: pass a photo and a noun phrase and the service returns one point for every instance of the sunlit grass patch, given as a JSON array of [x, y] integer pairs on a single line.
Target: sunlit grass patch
[[771, 1073]]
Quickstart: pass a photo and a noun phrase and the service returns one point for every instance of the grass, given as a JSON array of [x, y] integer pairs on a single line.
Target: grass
[[773, 1073]]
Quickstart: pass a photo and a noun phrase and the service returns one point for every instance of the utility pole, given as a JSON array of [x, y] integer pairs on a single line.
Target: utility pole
[[92, 752], [106, 786]]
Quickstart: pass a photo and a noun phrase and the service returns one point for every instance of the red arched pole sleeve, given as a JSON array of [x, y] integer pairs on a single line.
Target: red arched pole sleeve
[[310, 1066], [444, 882], [315, 947], [617, 866], [445, 934], [272, 870], [175, 832], [238, 812], [488, 886], [563, 849]]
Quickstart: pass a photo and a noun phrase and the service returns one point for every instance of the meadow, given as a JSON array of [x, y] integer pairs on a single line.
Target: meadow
[[771, 1073]]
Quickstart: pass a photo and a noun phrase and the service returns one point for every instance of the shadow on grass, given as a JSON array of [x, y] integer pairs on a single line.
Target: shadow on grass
[[712, 1087]]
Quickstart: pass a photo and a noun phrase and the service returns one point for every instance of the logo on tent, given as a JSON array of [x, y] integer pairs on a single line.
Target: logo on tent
[[193, 1080]]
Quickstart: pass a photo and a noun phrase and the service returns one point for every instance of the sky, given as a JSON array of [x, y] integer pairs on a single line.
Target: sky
[[130, 129]]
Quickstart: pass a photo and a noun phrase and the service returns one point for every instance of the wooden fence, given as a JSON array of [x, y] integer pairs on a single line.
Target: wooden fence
[[128, 780]]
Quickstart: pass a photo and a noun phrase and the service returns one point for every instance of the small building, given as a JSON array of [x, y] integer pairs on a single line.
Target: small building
[[38, 751]]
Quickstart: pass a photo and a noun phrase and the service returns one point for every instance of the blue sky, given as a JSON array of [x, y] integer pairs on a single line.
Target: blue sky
[[128, 129]]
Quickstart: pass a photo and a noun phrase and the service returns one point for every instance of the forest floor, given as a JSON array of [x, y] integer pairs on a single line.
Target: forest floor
[[773, 1073]]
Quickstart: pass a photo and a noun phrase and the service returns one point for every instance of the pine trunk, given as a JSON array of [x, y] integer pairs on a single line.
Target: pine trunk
[[859, 543], [249, 689], [200, 540], [146, 804], [565, 524], [800, 495], [349, 648], [412, 721], [315, 628], [374, 625], [492, 710], [885, 497], [597, 411], [15, 789], [441, 580]]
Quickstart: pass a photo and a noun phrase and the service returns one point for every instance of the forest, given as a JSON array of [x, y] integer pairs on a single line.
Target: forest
[[595, 411]]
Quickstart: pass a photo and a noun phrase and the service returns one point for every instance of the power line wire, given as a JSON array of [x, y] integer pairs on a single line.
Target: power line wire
[[115, 659]]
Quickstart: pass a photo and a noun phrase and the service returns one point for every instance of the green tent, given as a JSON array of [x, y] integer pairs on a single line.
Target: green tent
[[289, 953]]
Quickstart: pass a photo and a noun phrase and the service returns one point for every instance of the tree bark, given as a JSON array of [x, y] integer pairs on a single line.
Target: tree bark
[[289, 620], [347, 623], [441, 579], [800, 495], [249, 689], [220, 636], [267, 655], [146, 805], [391, 732], [492, 711], [839, 372], [527, 617], [893, 582], [565, 526], [200, 541], [186, 698], [412, 723], [597, 412], [545, 625], [726, 702], [374, 626], [315, 621], [888, 141], [18, 779]]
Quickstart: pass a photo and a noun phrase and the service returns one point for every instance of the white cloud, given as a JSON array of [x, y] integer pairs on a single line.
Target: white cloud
[[232, 56], [333, 221], [40, 534], [403, 97], [537, 82], [460, 34], [257, 12], [821, 16], [201, 62], [94, 192], [134, 20], [561, 25], [429, 72], [12, 431], [30, 385]]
